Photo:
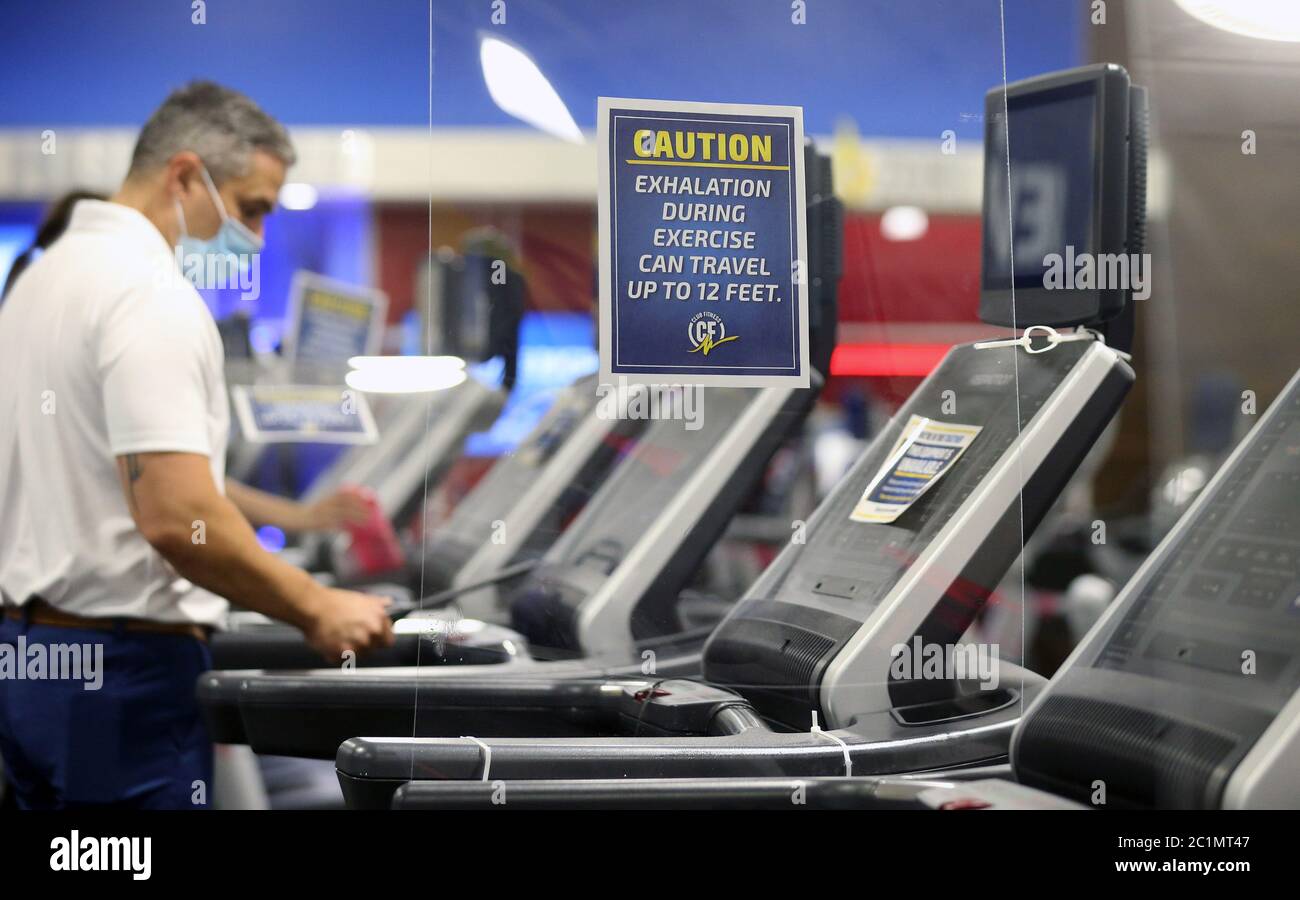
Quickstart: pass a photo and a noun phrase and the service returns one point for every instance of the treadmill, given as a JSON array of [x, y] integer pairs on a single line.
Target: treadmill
[[426, 432], [799, 680], [533, 491], [422, 436], [810, 645], [530, 494], [607, 591], [525, 501], [1184, 695]]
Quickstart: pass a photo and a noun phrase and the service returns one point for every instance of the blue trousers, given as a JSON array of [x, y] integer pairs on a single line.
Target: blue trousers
[[136, 742]]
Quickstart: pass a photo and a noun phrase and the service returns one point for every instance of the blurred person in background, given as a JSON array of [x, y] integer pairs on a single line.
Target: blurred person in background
[[53, 225]]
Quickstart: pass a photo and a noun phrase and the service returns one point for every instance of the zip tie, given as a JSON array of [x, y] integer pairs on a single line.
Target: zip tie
[[1053, 337], [848, 760], [487, 754]]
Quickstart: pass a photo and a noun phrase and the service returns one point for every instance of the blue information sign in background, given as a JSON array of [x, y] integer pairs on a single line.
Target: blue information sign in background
[[702, 243], [331, 322], [283, 413]]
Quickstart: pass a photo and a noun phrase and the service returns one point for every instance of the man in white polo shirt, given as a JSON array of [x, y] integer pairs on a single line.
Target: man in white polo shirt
[[118, 535]]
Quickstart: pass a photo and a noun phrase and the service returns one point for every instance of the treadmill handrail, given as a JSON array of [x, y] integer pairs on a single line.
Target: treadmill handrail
[[442, 598]]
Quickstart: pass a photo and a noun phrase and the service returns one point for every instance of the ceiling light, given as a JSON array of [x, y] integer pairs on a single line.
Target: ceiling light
[[296, 195], [520, 89], [405, 374], [1270, 20], [904, 223]]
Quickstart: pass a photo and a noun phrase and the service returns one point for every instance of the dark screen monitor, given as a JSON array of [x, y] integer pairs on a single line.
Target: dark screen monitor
[[1073, 147]]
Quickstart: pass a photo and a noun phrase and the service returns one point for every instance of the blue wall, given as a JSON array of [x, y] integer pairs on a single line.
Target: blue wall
[[899, 67]]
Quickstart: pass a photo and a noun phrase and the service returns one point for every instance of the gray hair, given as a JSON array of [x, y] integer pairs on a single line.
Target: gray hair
[[221, 125]]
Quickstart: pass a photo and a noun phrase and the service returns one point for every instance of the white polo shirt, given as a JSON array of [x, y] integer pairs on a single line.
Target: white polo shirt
[[105, 350]]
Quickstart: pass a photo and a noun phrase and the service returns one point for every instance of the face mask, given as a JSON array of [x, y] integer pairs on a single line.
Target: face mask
[[233, 238]]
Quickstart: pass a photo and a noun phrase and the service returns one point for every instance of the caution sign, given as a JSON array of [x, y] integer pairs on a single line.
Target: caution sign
[[923, 453], [330, 321], [703, 257], [287, 413]]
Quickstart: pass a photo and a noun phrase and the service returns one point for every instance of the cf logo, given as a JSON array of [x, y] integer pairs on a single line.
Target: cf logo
[[705, 332]]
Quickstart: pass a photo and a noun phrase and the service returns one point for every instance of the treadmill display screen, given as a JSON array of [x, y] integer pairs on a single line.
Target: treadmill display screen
[[1053, 184], [1222, 608]]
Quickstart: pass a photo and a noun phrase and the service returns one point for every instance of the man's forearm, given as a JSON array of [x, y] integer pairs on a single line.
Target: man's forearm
[[223, 556], [262, 508], [176, 505]]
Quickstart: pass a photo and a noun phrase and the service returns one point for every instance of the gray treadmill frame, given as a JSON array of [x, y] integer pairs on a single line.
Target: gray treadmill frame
[[605, 617], [855, 683], [526, 512], [1258, 779]]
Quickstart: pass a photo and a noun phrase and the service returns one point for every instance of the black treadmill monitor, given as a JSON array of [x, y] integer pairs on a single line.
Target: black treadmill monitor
[[1068, 201], [475, 306]]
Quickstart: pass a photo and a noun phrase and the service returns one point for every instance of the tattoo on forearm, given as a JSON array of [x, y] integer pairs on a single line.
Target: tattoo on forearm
[[132, 469]]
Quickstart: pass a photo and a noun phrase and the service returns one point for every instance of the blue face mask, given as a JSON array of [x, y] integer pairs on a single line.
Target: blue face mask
[[233, 238]]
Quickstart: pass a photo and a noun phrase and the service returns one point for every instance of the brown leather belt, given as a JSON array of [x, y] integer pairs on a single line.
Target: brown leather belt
[[38, 612]]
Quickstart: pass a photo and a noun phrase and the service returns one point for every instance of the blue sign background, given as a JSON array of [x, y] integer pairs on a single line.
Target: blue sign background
[[302, 413], [650, 336], [306, 415], [333, 335]]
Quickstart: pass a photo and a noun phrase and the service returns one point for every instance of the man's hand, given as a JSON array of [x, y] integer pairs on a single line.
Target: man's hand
[[335, 512], [344, 621]]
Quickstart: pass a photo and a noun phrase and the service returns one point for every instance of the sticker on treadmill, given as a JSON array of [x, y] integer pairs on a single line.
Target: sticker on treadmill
[[291, 413], [923, 453]]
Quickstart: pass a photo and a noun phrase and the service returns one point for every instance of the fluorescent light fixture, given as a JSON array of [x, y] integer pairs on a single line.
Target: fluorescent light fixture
[[296, 195], [405, 374], [520, 89], [1270, 20], [398, 362], [904, 223]]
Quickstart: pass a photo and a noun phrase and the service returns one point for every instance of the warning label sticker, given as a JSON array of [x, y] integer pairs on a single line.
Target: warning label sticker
[[924, 451]]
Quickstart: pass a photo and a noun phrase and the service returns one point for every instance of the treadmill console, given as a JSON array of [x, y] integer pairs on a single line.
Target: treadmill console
[[1199, 654], [471, 525], [818, 596], [627, 510]]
